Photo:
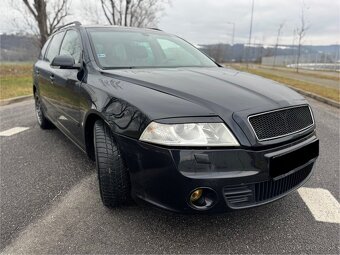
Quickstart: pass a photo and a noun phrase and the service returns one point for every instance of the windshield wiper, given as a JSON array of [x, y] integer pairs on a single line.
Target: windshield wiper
[[121, 67]]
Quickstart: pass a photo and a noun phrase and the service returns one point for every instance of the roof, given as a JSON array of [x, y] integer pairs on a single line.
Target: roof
[[78, 24]]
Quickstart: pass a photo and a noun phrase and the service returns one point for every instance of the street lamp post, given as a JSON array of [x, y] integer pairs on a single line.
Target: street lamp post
[[250, 31], [233, 33]]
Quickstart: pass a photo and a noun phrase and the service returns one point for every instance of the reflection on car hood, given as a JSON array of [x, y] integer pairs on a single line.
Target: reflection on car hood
[[219, 89]]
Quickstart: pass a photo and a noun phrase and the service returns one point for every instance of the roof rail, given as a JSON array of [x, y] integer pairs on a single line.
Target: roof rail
[[76, 23], [154, 28]]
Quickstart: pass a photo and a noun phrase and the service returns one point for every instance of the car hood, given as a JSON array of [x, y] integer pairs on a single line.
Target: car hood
[[220, 90]]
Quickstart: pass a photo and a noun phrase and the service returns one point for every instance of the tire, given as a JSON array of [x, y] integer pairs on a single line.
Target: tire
[[43, 122], [113, 176]]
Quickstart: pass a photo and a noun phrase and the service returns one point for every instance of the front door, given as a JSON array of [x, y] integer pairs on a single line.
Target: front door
[[67, 88]]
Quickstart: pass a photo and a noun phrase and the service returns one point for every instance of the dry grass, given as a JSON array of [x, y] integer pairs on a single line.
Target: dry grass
[[331, 93], [315, 74], [15, 80]]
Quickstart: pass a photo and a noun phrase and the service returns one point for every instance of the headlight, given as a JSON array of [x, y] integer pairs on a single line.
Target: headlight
[[191, 134]]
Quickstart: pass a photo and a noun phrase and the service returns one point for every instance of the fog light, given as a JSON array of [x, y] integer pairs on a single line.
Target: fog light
[[196, 195], [202, 198]]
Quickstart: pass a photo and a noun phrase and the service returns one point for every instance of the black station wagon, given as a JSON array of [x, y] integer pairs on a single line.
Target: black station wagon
[[168, 126]]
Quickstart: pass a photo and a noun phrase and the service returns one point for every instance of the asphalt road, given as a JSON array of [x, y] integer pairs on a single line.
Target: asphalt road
[[49, 203]]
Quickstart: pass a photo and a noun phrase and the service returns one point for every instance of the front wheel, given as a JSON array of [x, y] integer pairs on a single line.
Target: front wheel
[[114, 182], [43, 122]]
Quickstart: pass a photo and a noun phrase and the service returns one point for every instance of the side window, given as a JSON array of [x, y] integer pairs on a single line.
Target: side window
[[43, 50], [71, 45], [53, 49]]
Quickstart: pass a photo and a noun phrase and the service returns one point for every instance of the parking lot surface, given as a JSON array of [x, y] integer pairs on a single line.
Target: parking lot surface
[[50, 203]]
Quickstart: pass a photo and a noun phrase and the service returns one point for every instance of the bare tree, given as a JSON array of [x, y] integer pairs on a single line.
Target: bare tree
[[301, 33], [293, 46], [92, 12], [47, 15], [277, 42], [136, 13]]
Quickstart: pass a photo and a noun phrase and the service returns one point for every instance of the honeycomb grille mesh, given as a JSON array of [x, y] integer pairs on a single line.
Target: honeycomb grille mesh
[[281, 123]]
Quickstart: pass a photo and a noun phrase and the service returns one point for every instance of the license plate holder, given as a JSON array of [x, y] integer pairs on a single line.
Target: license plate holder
[[284, 163]]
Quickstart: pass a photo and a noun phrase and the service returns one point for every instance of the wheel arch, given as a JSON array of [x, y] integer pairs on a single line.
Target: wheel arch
[[89, 122], [35, 85], [91, 118]]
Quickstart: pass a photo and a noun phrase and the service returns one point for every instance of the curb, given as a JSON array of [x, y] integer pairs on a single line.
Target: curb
[[15, 100], [316, 97]]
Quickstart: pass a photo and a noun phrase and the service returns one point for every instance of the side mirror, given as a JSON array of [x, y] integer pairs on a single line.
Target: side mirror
[[64, 62]]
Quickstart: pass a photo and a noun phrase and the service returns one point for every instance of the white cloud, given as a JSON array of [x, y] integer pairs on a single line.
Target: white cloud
[[206, 21]]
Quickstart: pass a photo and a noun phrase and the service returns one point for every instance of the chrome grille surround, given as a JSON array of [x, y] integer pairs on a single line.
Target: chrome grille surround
[[289, 126]]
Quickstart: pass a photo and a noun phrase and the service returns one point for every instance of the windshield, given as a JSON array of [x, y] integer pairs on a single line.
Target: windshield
[[136, 49]]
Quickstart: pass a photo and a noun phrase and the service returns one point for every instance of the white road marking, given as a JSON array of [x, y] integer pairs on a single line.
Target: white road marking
[[13, 131], [322, 204]]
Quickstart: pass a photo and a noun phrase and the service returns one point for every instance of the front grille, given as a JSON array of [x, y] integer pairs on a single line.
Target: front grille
[[279, 123], [258, 193]]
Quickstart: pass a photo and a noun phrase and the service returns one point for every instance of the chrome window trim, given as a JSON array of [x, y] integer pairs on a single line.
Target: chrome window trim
[[277, 110]]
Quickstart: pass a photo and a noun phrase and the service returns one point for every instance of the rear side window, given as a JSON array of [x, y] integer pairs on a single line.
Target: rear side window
[[71, 45], [53, 49], [43, 50]]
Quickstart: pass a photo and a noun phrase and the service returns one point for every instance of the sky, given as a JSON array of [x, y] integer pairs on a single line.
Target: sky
[[210, 21], [207, 21]]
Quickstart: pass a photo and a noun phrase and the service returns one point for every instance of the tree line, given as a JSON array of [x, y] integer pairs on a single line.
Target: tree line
[[45, 16]]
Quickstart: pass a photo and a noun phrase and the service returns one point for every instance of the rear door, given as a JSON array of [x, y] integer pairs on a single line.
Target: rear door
[[46, 76], [39, 68]]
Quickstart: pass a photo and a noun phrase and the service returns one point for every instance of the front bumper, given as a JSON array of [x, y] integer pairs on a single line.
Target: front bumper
[[238, 178]]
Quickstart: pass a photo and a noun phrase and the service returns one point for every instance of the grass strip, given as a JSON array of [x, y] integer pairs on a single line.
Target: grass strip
[[330, 93]]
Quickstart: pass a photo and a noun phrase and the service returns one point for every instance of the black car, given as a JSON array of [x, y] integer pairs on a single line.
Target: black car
[[167, 125]]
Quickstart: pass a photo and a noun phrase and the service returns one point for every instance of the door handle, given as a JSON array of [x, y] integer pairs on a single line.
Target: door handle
[[51, 78]]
